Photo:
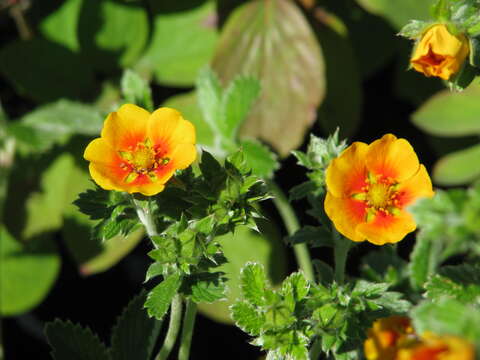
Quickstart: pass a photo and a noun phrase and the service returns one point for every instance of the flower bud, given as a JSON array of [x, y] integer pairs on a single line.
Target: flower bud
[[440, 53]]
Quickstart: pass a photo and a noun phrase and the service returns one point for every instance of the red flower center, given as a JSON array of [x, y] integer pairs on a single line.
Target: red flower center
[[142, 160], [379, 194]]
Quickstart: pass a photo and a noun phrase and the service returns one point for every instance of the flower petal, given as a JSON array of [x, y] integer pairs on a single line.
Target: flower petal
[[100, 151], [392, 157], [347, 173], [387, 228], [126, 127], [346, 214], [183, 155], [149, 189], [417, 186], [107, 177]]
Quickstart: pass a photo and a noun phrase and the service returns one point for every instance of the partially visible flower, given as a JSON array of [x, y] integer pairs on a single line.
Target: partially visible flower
[[435, 347], [369, 187], [386, 336], [440, 53], [139, 151]]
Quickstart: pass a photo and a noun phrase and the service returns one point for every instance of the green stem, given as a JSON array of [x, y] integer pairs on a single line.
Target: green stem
[[342, 245], [173, 328], [291, 222], [187, 330], [145, 216]]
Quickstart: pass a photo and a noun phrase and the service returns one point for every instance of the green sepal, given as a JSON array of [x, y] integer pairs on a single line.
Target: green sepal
[[474, 56], [463, 78], [414, 29]]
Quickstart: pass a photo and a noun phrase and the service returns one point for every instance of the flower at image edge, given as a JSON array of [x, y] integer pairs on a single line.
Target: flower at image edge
[[140, 151], [385, 337], [435, 347], [370, 186], [440, 53]]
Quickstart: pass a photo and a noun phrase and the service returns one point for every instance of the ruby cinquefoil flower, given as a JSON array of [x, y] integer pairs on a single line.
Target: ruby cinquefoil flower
[[140, 151], [370, 186]]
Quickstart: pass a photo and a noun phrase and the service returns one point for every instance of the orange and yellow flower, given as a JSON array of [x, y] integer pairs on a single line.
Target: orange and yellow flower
[[440, 53], [139, 151], [369, 187], [435, 347], [386, 336]]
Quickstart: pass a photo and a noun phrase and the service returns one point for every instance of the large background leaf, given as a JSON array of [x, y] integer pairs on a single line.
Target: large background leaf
[[450, 113], [99, 29], [398, 13], [183, 41], [272, 41], [45, 71], [27, 272]]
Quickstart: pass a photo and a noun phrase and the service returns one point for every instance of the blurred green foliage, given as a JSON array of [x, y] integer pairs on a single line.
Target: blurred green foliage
[[82, 59]]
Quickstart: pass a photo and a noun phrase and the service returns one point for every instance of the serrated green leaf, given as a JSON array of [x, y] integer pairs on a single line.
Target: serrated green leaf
[[247, 318], [55, 123], [27, 272], [205, 287], [159, 299], [447, 316], [72, 342], [260, 159], [99, 35], [182, 42], [460, 282], [262, 40], [155, 269], [237, 248], [456, 168], [253, 283], [393, 302], [421, 265], [368, 289], [209, 94], [134, 334], [297, 285], [437, 114], [136, 90], [237, 103]]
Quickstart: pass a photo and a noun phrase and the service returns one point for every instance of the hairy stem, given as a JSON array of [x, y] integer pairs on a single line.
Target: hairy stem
[[291, 222], [145, 215], [187, 330], [342, 245], [173, 328]]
